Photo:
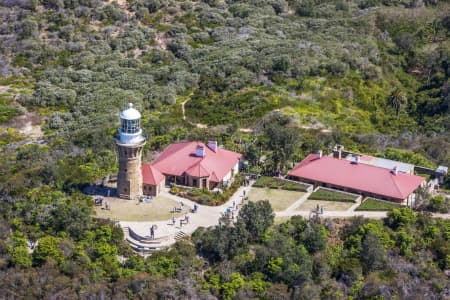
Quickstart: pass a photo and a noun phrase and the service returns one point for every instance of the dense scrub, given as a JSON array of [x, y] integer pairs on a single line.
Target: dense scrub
[[303, 75]]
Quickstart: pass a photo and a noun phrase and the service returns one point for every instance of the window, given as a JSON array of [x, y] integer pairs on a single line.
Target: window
[[131, 126]]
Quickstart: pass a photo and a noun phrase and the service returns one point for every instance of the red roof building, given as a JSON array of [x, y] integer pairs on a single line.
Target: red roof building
[[192, 164], [368, 180]]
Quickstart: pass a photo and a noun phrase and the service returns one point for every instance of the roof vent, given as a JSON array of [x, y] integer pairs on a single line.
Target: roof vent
[[200, 151], [394, 170], [212, 145]]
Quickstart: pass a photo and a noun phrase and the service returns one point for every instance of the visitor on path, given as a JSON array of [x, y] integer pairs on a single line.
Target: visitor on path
[[181, 223], [195, 208], [318, 208], [232, 215], [106, 205], [173, 221], [186, 218], [152, 233], [234, 204], [321, 210], [244, 192]]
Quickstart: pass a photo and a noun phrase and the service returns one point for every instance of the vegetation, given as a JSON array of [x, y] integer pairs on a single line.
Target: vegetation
[[275, 80], [328, 195], [205, 196], [275, 183], [376, 205]]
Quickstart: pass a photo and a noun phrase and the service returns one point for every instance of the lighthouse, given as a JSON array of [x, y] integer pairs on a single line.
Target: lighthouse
[[129, 145]]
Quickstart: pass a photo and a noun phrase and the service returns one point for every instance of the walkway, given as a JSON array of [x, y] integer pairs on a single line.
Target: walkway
[[167, 232], [206, 216]]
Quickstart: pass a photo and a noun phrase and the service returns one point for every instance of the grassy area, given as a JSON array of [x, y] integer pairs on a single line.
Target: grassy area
[[274, 183], [327, 195], [279, 199], [309, 205], [376, 205], [129, 210]]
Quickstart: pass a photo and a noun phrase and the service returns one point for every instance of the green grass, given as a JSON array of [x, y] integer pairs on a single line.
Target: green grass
[[273, 183], [371, 204], [327, 195]]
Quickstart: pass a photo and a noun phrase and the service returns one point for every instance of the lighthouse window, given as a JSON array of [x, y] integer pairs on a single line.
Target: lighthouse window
[[131, 126]]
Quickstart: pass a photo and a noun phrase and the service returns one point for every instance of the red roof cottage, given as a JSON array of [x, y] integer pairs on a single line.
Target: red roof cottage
[[356, 177], [192, 164]]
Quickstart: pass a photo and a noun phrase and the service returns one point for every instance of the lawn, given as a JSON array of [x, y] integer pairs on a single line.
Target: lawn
[[371, 204], [274, 183], [309, 205], [279, 199], [328, 195], [130, 210]]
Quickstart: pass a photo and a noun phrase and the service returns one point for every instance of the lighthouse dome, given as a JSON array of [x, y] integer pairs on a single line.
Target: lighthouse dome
[[130, 113], [130, 131]]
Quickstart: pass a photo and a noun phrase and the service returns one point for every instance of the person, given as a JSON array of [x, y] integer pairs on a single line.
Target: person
[[195, 207], [152, 232], [321, 209], [173, 221], [234, 204], [232, 215], [317, 208], [181, 204], [106, 205], [181, 223], [186, 218], [244, 192]]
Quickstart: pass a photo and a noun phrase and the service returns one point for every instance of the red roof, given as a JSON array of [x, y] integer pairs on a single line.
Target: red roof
[[361, 177], [150, 175], [180, 158]]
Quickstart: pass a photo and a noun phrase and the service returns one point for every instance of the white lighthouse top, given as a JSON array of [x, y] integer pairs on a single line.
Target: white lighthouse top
[[130, 131], [130, 113]]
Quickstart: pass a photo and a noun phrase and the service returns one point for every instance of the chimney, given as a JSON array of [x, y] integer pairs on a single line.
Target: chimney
[[394, 170], [337, 151], [212, 145], [319, 154], [200, 151]]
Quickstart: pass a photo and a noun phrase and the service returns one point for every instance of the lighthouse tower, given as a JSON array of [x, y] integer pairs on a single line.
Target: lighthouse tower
[[129, 145]]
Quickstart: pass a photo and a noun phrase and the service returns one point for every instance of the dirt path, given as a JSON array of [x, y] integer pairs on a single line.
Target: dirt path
[[183, 110]]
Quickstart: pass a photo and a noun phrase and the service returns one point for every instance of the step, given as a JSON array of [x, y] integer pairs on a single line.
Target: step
[[180, 235]]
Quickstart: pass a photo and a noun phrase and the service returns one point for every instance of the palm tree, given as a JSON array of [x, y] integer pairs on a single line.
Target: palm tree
[[397, 100]]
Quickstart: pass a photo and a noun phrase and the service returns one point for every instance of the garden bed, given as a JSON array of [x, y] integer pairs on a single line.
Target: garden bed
[[207, 197], [371, 204], [329, 195], [276, 183]]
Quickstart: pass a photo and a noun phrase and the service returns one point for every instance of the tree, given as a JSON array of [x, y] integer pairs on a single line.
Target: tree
[[373, 256], [314, 237], [397, 100], [257, 217]]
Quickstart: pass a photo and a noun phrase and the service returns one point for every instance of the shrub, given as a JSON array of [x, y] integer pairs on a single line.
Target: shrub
[[327, 195]]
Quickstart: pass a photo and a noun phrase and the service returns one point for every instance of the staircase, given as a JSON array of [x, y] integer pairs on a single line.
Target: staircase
[[180, 235], [145, 246]]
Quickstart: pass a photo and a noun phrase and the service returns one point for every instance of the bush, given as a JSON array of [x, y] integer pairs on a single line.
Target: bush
[[274, 183], [327, 195]]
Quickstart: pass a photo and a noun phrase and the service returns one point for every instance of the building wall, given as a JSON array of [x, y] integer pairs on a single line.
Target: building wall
[[152, 190], [198, 182], [129, 178], [231, 173], [350, 190]]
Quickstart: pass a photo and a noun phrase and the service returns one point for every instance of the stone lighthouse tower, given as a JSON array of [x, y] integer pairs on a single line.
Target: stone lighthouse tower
[[129, 145]]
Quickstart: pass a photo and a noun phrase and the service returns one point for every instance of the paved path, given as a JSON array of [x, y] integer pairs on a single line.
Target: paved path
[[206, 216], [297, 203]]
